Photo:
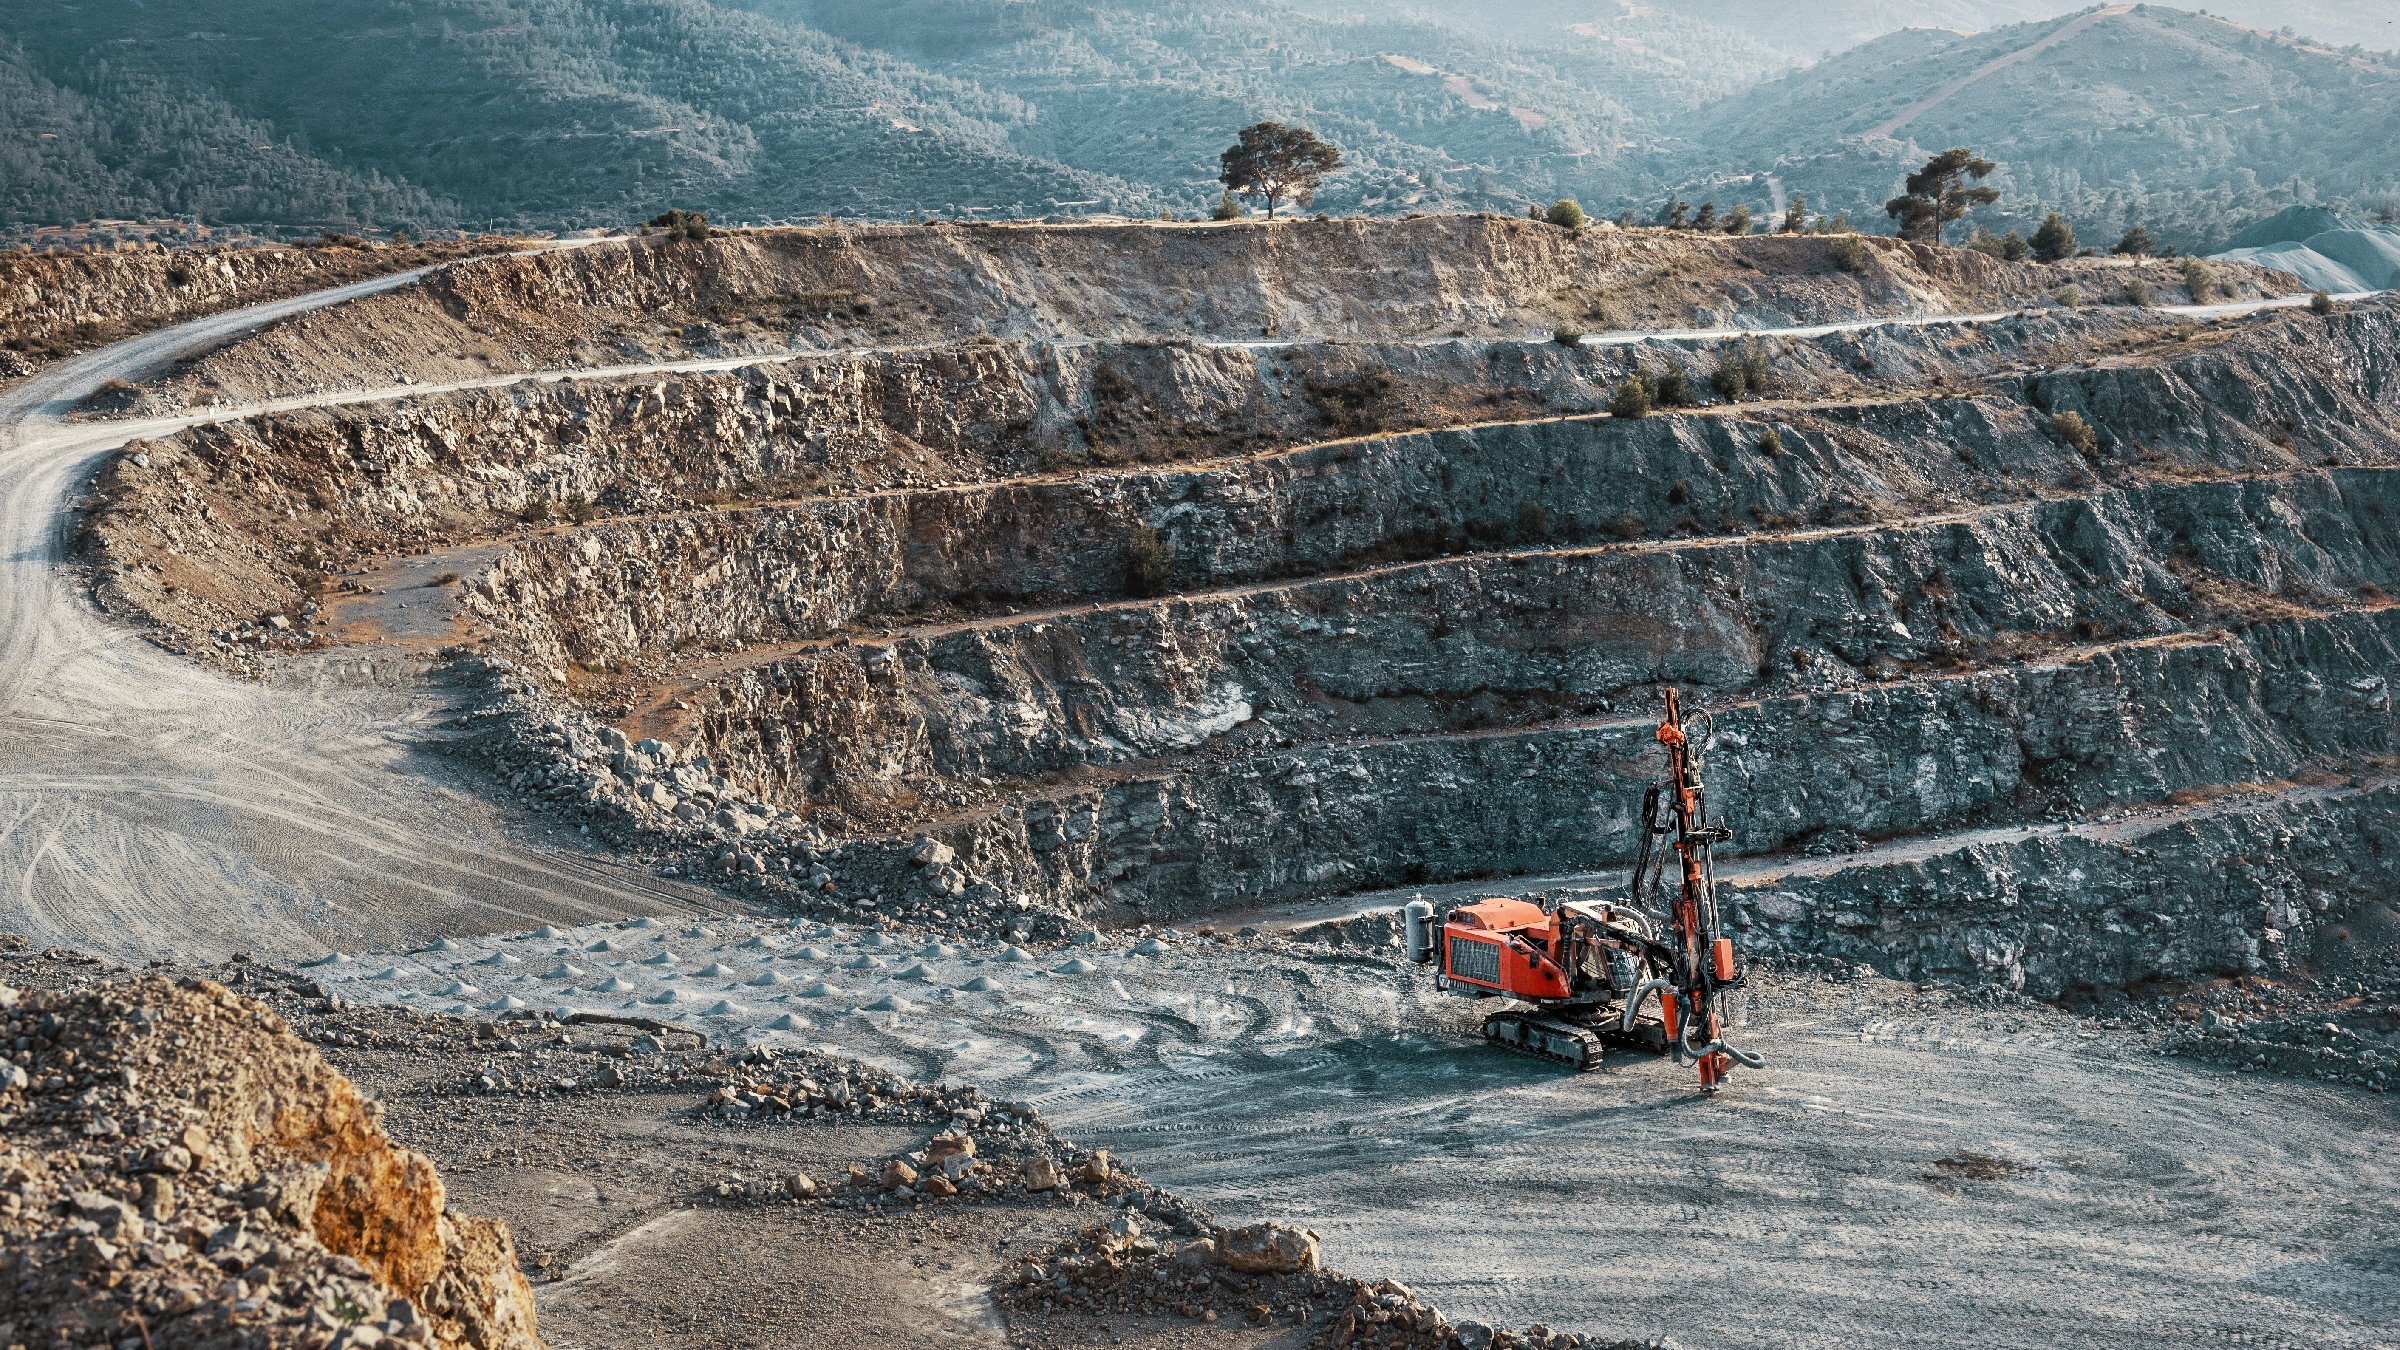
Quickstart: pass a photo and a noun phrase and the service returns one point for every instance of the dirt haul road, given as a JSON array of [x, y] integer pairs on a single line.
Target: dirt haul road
[[151, 807]]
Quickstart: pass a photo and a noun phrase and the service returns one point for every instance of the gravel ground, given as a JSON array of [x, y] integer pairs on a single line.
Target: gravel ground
[[1925, 1164]]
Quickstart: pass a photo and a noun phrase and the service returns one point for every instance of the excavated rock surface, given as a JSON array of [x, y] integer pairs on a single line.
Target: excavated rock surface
[[180, 1170], [874, 457], [774, 290], [53, 303], [1141, 631]]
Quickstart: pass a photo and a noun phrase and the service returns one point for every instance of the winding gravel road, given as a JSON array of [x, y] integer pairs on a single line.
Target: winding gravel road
[[153, 807]]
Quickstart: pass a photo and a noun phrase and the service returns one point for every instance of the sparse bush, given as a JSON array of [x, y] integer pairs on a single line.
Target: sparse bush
[[534, 511], [1795, 216], [1357, 405], [446, 579], [1227, 209], [2013, 247], [2070, 295], [1739, 221], [1533, 523], [1674, 387], [2321, 304], [2198, 280], [1742, 372], [2055, 240], [682, 224], [1628, 527], [1679, 493], [1634, 397], [2136, 243], [179, 275], [2076, 432], [1567, 214], [2137, 292], [1849, 252], [1566, 336], [1146, 563], [582, 510], [1770, 443]]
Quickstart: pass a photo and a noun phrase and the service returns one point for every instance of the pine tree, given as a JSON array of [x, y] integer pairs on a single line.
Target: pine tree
[[1795, 216], [2054, 241], [1938, 194]]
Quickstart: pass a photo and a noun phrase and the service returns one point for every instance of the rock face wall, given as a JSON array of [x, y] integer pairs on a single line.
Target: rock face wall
[[1481, 277], [228, 524], [230, 1191], [1161, 629]]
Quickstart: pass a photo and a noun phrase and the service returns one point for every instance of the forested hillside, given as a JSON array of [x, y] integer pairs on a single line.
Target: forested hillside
[[2189, 124], [356, 114], [513, 110]]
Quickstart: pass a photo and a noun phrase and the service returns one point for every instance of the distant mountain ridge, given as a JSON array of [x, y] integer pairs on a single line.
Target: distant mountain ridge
[[2132, 113], [515, 113]]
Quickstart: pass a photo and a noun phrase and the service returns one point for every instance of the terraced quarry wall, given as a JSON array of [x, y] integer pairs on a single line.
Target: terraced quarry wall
[[769, 291], [1164, 629]]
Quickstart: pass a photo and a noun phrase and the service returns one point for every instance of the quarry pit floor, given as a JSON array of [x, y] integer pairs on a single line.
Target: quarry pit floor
[[1910, 1169]]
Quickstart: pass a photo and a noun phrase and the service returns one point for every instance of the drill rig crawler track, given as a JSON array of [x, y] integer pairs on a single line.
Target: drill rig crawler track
[[1649, 974]]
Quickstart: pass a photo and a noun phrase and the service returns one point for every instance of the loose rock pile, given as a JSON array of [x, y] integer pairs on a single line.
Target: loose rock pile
[[177, 1169], [651, 795], [1263, 1275], [2335, 1032], [984, 1150]]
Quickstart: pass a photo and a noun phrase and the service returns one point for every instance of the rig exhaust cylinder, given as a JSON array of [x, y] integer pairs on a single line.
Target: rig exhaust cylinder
[[1419, 918]]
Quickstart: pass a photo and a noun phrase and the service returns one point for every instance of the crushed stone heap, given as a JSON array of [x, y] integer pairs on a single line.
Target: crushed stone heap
[[178, 1170]]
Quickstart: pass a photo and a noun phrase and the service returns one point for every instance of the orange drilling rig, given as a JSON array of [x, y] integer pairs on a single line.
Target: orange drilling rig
[[1589, 969]]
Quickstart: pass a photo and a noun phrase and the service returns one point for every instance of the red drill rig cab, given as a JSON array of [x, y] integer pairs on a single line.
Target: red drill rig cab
[[1589, 968]]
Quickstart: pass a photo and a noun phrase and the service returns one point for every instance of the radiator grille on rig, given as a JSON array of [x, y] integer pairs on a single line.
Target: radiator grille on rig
[[1472, 960]]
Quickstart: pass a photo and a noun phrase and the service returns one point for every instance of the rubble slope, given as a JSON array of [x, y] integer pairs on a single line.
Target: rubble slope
[[182, 1171]]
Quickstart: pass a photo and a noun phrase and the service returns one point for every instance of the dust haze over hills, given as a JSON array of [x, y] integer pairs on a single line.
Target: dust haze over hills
[[512, 113]]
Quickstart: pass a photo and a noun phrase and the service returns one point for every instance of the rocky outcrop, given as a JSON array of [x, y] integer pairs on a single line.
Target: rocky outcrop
[[182, 1171], [2222, 888]]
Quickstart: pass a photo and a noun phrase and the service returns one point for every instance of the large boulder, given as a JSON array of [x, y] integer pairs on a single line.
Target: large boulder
[[1267, 1249]]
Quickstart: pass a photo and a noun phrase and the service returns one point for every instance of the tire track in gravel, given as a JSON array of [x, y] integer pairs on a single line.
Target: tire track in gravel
[[2096, 1194]]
